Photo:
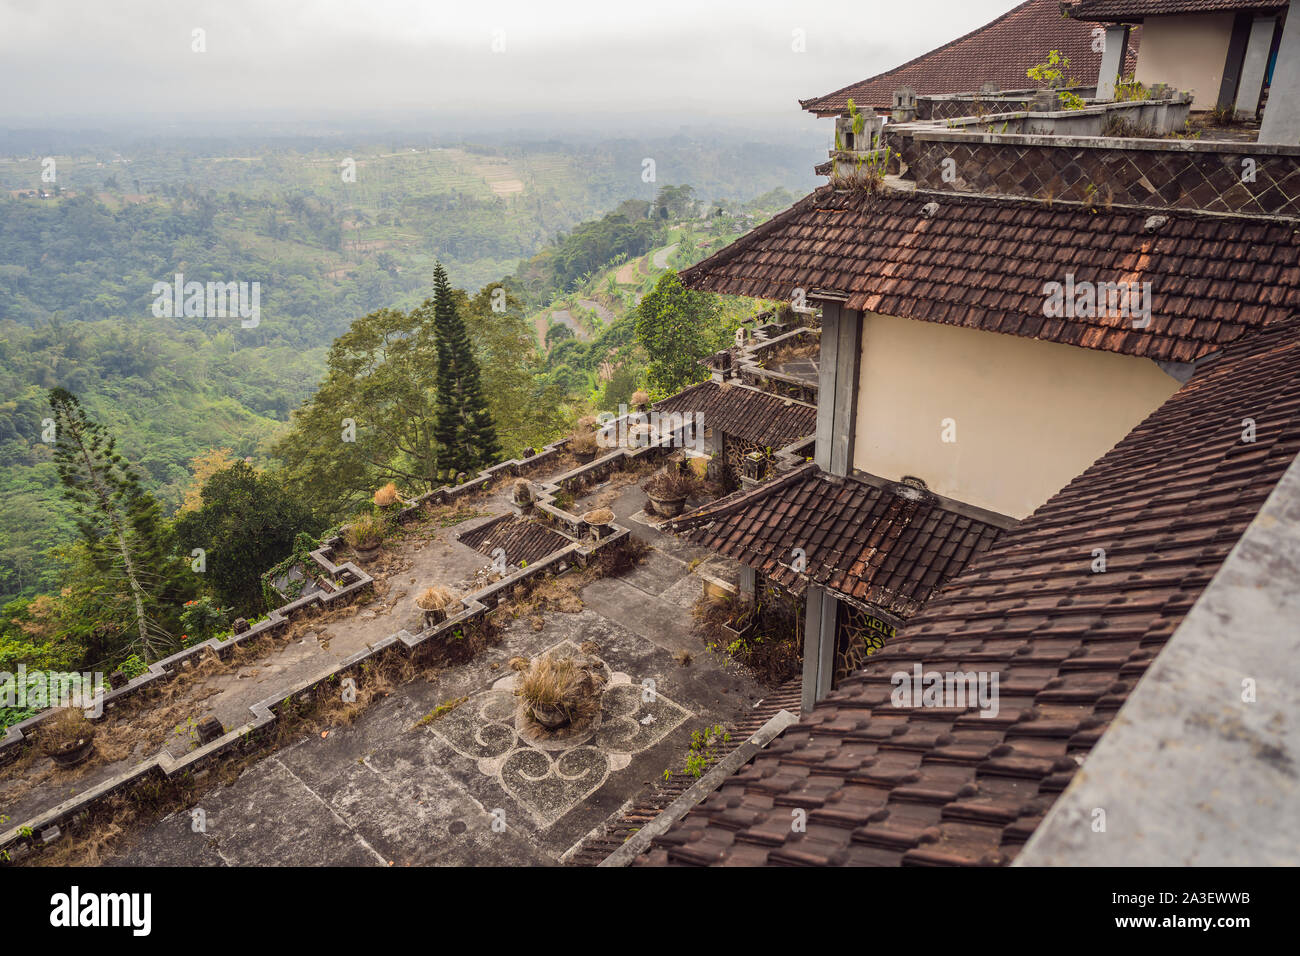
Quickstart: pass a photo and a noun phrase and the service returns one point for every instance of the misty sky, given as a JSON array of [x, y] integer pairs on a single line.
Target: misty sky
[[308, 58]]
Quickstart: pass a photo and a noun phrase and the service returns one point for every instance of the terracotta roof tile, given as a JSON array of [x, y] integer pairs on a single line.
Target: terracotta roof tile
[[946, 269], [1000, 52], [745, 412], [868, 542], [520, 538], [1132, 11], [927, 786]]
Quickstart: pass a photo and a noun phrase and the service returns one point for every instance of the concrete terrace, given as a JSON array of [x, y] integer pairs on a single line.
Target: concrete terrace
[[425, 552], [392, 784], [387, 790]]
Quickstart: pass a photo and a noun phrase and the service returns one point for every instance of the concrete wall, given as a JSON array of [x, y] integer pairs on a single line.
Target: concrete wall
[[1187, 52], [1029, 415]]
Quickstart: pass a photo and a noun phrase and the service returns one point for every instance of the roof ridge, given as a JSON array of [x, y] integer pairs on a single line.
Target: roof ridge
[[1199, 273], [902, 66], [725, 506]]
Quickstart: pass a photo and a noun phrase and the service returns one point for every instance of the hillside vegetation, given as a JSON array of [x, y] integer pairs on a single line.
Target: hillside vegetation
[[77, 273]]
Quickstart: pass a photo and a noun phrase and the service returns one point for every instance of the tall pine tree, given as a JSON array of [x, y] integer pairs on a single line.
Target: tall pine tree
[[125, 536], [463, 426]]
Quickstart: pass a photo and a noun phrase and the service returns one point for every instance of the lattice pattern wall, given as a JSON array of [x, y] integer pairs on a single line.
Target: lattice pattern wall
[[858, 635], [734, 451], [1215, 180]]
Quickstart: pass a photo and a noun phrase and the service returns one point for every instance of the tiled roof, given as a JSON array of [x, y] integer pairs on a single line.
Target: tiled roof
[[924, 786], [1000, 52], [982, 263], [1136, 10], [870, 543], [744, 412], [520, 538]]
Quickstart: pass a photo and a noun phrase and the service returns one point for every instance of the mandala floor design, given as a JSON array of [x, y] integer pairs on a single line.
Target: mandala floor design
[[549, 783]]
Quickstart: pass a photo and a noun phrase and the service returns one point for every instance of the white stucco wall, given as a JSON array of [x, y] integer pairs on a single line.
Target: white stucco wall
[[1187, 52], [1028, 415]]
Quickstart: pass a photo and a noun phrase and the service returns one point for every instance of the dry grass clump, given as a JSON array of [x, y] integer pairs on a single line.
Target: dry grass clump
[[670, 484], [616, 559], [561, 686], [66, 728], [587, 423], [434, 598], [549, 594], [773, 650], [388, 495], [599, 516], [557, 594], [583, 442], [366, 531], [640, 398], [523, 490], [788, 353]]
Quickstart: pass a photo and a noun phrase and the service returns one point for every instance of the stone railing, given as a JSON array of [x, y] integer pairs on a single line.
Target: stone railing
[[254, 734], [1156, 117], [751, 371], [744, 362], [942, 106], [348, 581], [345, 583], [1072, 156]]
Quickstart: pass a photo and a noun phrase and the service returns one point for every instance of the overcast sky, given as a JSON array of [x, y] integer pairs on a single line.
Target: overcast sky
[[100, 59]]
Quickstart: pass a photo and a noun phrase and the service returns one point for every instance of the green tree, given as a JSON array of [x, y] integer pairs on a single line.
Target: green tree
[[246, 522], [121, 525], [463, 424], [525, 410], [371, 420], [677, 327]]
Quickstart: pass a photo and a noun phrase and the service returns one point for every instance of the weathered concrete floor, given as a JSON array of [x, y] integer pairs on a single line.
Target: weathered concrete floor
[[425, 554], [384, 791]]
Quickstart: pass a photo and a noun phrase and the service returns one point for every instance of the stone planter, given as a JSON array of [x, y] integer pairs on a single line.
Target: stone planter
[[737, 628], [667, 507], [575, 716], [367, 554], [549, 717], [73, 752], [599, 524], [432, 618], [640, 436]]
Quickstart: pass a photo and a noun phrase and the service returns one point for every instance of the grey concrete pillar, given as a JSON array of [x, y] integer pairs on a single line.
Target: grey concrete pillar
[[837, 391], [821, 616], [1251, 86], [830, 340], [1112, 60], [1234, 61], [1281, 123], [747, 584], [848, 363]]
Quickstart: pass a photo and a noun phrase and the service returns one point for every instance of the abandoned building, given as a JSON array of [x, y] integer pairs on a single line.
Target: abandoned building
[[1030, 419], [1110, 460]]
